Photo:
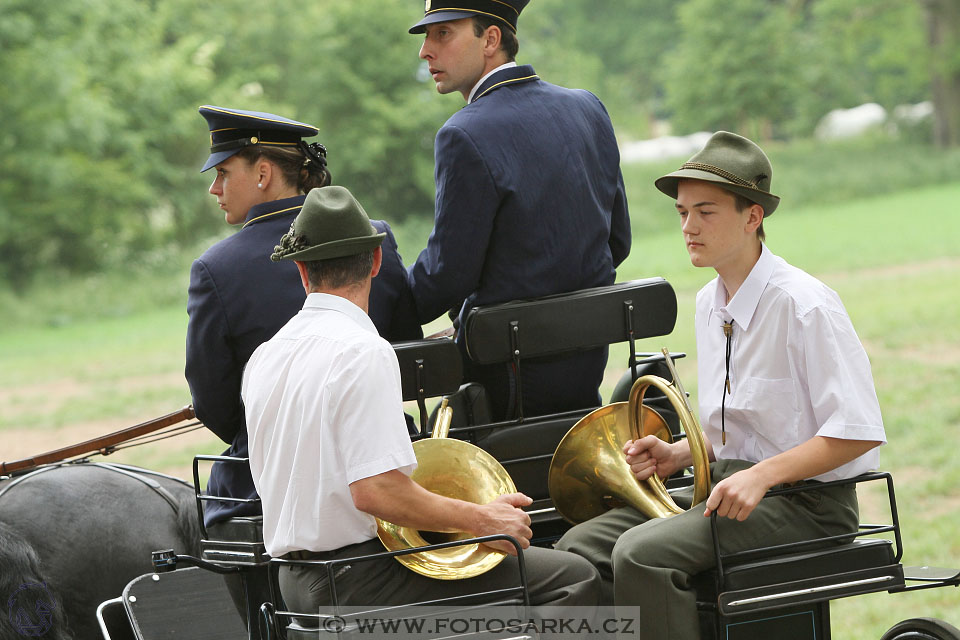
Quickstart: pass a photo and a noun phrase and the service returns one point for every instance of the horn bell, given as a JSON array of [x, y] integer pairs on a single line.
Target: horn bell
[[455, 469], [589, 475]]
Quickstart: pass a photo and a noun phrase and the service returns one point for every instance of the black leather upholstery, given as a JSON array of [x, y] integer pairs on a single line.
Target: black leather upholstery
[[853, 556], [440, 365], [570, 321]]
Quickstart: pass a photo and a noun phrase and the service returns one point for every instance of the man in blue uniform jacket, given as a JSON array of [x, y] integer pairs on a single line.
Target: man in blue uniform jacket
[[239, 298], [530, 199]]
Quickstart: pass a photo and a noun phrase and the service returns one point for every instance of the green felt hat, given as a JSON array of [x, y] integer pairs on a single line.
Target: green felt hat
[[731, 162], [331, 224]]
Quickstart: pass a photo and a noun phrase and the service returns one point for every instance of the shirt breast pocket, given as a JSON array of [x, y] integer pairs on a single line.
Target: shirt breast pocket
[[769, 408]]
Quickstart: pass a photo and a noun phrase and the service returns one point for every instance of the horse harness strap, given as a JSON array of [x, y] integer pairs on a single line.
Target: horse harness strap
[[150, 482], [16, 481]]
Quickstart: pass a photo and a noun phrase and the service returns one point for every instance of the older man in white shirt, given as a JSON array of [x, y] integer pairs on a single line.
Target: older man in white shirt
[[329, 450], [786, 396]]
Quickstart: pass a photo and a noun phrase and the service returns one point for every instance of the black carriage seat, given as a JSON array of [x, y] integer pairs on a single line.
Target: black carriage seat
[[515, 331], [187, 604], [235, 542], [428, 368], [854, 568], [756, 588], [238, 541]]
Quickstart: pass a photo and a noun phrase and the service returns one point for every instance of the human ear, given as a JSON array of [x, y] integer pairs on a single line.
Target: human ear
[[377, 262], [492, 37], [754, 218], [264, 173]]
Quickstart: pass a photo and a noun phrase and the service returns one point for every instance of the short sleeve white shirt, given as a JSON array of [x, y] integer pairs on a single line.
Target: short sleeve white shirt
[[797, 368], [324, 409]]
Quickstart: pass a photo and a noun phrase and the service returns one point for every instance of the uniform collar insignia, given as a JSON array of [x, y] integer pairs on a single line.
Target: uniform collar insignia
[[268, 210], [513, 75]]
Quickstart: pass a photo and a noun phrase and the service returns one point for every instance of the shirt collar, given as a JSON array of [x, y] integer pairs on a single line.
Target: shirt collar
[[743, 306], [267, 210], [505, 65], [329, 302]]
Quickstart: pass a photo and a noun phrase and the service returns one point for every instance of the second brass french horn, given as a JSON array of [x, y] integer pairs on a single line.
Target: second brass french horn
[[455, 469], [589, 473]]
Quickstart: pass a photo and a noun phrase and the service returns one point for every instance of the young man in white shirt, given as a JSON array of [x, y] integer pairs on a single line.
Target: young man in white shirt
[[786, 395], [329, 450]]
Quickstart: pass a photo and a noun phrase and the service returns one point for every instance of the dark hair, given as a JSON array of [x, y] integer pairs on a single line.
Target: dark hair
[[508, 39], [743, 203], [293, 165], [336, 273]]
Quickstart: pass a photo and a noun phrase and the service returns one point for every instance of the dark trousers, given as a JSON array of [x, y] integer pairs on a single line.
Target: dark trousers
[[649, 564], [553, 577]]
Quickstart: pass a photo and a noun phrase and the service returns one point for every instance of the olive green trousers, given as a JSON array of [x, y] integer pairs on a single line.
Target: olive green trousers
[[648, 564]]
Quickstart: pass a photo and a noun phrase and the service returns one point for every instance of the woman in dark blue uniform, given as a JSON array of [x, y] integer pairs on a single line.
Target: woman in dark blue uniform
[[239, 298]]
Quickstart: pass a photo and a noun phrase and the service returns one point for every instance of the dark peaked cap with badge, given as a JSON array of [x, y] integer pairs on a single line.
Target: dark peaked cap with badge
[[506, 11], [731, 162], [331, 224], [233, 129]]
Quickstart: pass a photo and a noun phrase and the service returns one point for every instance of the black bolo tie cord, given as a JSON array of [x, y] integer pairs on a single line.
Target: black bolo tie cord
[[728, 332]]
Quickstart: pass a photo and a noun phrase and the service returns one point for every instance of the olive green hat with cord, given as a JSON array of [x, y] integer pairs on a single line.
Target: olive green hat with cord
[[731, 162], [331, 224]]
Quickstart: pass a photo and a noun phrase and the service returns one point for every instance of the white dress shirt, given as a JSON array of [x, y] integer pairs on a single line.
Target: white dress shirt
[[797, 368], [324, 409]]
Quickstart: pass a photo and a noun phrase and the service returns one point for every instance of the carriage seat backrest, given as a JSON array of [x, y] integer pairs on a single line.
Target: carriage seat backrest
[[584, 319], [186, 604], [428, 368], [570, 321]]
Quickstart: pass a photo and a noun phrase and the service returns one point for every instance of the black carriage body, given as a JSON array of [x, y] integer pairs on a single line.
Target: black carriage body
[[782, 592]]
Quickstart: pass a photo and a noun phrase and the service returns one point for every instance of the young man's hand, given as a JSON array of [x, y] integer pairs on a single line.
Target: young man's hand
[[737, 495], [650, 455]]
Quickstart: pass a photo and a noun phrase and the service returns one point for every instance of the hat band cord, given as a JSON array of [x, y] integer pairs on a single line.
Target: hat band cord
[[709, 168], [230, 145]]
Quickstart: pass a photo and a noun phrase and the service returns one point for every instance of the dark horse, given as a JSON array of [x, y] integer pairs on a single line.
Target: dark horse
[[73, 535]]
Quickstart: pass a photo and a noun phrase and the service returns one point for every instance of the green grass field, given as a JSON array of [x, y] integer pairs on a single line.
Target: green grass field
[[87, 363]]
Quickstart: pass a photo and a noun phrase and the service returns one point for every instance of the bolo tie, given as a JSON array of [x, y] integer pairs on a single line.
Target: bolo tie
[[728, 332]]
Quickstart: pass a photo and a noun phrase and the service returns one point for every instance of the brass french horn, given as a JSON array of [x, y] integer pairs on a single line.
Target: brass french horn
[[455, 469], [589, 474]]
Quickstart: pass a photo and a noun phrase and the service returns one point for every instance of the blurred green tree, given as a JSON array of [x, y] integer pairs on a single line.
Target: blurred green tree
[[733, 67], [943, 37], [611, 48], [92, 152], [352, 70], [102, 141], [855, 52]]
